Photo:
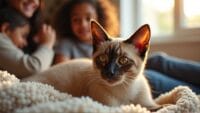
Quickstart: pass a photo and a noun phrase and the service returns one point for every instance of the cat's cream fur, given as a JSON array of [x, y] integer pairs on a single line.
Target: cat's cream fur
[[81, 77], [78, 78]]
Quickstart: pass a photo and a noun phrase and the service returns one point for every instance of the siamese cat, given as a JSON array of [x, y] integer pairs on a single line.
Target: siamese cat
[[113, 77]]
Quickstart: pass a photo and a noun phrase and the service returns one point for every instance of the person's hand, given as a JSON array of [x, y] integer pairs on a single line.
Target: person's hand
[[46, 36], [60, 58]]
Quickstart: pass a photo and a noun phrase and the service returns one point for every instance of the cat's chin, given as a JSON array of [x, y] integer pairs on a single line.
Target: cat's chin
[[111, 82]]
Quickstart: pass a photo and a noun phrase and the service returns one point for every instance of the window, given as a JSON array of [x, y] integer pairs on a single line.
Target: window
[[159, 14], [169, 19], [191, 13]]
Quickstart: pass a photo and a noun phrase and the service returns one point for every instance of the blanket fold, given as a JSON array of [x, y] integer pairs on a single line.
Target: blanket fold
[[33, 97]]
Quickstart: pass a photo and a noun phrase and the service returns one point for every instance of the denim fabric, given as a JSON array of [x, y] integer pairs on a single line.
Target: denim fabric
[[161, 83], [184, 70]]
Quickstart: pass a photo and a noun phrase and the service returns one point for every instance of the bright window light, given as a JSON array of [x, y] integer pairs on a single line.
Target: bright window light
[[159, 14], [191, 13]]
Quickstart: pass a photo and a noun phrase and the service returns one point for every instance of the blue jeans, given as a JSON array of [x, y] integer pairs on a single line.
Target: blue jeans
[[166, 72], [161, 83]]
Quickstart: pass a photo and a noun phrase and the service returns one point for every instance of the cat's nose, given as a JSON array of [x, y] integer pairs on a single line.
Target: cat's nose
[[110, 75], [110, 72]]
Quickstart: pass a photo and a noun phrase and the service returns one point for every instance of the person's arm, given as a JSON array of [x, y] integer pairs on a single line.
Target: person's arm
[[175, 67], [16, 62]]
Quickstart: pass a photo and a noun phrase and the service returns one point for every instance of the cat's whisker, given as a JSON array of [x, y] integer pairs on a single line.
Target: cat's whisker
[[124, 85], [126, 82], [131, 77]]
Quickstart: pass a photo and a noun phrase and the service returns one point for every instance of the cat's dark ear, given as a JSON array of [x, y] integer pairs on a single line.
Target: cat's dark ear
[[99, 35], [140, 39]]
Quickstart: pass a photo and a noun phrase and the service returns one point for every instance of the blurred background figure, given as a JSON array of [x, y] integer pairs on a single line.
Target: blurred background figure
[[72, 24], [33, 11], [14, 29]]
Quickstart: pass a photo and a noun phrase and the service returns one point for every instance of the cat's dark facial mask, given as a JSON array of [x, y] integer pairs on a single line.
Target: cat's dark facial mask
[[113, 62], [116, 59]]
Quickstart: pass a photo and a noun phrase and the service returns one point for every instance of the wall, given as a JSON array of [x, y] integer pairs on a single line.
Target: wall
[[185, 49]]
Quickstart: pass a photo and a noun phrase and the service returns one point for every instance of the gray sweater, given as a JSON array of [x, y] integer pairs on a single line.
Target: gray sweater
[[15, 61], [73, 48]]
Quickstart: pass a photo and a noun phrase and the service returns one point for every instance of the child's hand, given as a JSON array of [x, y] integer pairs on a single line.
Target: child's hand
[[59, 58], [46, 36]]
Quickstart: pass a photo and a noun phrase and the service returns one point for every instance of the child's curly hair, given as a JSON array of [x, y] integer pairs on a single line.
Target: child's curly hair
[[107, 17]]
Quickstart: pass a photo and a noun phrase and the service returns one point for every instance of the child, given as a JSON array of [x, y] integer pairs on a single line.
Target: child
[[14, 29], [72, 23]]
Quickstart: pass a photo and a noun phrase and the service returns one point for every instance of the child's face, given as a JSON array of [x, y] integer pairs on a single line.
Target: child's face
[[80, 21], [19, 35]]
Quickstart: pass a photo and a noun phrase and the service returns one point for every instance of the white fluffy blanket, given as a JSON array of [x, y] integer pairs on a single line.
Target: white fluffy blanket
[[32, 97]]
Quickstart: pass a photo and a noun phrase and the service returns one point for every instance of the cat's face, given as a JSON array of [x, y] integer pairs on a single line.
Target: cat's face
[[119, 60]]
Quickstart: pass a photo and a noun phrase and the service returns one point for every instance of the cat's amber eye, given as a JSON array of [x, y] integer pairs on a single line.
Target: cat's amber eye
[[102, 58], [123, 60]]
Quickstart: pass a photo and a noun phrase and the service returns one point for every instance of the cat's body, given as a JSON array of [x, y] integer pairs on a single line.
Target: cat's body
[[77, 77], [115, 75]]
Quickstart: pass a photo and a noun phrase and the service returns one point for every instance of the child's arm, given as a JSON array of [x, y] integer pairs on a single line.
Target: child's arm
[[16, 62]]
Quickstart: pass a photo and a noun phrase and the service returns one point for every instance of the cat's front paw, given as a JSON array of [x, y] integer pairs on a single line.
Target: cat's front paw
[[155, 108], [158, 107]]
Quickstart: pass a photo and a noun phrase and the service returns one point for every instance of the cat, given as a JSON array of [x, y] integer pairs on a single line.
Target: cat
[[114, 76]]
